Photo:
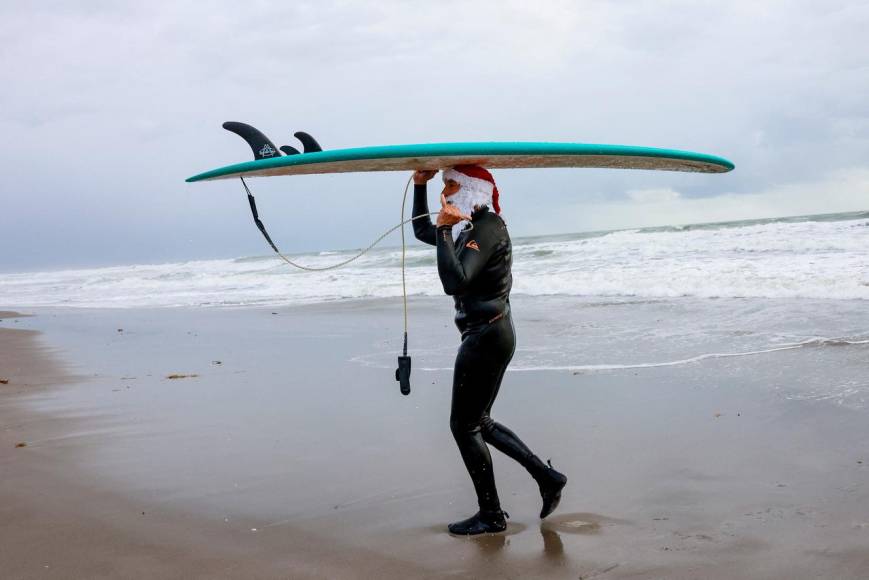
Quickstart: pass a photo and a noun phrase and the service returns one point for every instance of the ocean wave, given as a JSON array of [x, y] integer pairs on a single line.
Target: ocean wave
[[815, 257]]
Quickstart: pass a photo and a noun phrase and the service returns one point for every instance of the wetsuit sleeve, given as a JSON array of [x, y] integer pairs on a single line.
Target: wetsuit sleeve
[[458, 270], [422, 227]]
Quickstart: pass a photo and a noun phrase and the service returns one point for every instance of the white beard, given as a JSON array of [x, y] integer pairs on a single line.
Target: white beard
[[465, 201]]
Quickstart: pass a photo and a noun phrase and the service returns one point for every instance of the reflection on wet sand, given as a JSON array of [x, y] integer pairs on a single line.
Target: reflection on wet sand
[[553, 547], [490, 544], [550, 530], [579, 523]]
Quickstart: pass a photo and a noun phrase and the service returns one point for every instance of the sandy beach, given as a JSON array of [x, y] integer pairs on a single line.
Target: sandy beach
[[219, 237], [287, 452]]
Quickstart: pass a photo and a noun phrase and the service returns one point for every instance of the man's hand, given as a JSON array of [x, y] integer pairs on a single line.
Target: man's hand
[[449, 214], [421, 176]]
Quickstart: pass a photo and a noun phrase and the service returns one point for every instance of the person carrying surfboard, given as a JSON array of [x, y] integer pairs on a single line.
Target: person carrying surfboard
[[474, 257]]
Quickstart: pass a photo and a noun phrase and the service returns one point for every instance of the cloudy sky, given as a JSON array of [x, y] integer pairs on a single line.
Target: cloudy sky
[[106, 107]]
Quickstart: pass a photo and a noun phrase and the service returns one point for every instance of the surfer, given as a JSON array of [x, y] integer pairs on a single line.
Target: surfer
[[474, 263]]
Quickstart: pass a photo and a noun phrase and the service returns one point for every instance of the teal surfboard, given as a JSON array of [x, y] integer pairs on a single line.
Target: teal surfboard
[[492, 155]]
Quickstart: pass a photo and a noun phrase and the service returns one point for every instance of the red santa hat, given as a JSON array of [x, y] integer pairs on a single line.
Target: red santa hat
[[475, 178]]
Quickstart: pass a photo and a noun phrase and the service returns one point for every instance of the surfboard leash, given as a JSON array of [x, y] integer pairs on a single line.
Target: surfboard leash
[[261, 226], [402, 373]]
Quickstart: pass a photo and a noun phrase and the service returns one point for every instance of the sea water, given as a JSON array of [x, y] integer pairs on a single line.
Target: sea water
[[811, 257], [684, 297]]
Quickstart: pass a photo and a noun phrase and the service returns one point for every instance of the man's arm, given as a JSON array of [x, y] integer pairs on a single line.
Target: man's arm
[[422, 227]]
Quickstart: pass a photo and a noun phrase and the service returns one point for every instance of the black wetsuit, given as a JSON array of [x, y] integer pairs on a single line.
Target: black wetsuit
[[476, 271]]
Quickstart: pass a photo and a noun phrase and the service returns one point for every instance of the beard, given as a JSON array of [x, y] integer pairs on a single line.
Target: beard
[[465, 201]]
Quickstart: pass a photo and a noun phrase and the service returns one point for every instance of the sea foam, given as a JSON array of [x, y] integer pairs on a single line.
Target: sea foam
[[824, 257]]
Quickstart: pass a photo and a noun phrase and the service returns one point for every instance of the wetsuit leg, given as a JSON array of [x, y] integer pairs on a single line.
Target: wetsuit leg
[[482, 359], [550, 481], [499, 436]]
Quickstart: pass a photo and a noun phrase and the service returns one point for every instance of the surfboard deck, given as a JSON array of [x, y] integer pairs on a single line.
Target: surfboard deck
[[492, 155]]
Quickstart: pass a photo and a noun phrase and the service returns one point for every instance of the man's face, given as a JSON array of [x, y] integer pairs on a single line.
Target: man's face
[[451, 187]]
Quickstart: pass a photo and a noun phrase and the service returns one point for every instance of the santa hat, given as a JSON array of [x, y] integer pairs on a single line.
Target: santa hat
[[475, 178]]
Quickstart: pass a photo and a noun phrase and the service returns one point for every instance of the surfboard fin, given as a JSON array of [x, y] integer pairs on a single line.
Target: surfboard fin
[[289, 150], [261, 145], [310, 144]]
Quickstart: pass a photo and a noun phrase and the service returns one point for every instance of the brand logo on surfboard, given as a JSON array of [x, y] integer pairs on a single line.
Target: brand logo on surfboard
[[267, 150]]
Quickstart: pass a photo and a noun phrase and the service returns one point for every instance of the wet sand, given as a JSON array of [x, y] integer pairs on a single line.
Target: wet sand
[[57, 520], [287, 458]]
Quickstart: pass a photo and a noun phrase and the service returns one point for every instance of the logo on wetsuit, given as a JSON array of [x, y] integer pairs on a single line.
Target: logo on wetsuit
[[473, 245]]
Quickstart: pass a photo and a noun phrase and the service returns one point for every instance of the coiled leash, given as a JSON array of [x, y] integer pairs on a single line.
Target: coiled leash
[[402, 373]]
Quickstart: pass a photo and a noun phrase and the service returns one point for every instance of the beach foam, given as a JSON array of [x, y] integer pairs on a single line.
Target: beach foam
[[811, 257]]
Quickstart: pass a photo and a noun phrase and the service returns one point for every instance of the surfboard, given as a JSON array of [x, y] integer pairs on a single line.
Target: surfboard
[[492, 155]]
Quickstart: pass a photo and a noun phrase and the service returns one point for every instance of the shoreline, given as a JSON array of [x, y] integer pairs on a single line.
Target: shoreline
[[232, 473]]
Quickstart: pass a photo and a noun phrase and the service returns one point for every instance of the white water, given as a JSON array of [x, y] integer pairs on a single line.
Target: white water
[[820, 257]]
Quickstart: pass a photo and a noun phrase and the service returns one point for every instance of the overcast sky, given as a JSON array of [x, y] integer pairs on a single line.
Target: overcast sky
[[106, 107]]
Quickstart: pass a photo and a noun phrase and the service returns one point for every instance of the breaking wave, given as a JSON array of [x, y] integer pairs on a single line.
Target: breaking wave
[[824, 257]]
